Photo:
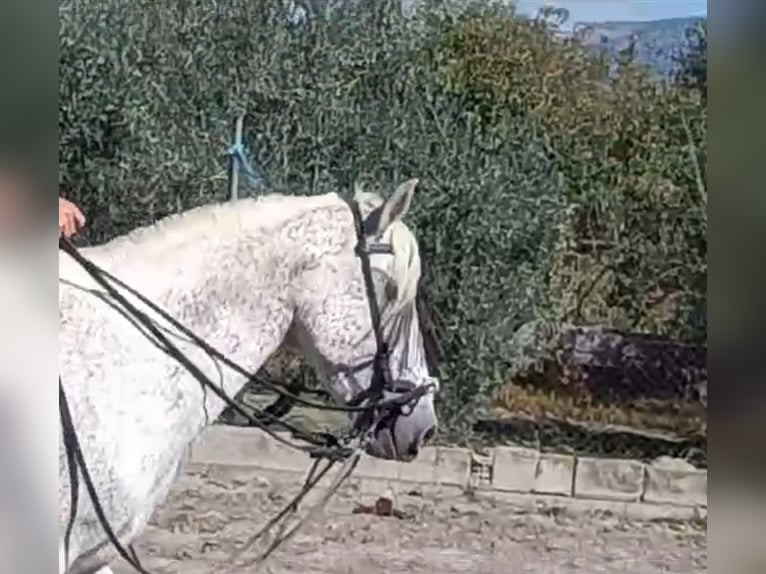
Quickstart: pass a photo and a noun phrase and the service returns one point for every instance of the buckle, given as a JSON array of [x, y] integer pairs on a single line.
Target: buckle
[[374, 249]]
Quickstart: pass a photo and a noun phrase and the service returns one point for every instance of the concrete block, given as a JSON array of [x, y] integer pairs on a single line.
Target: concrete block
[[226, 445], [514, 468], [370, 467], [452, 466], [672, 481], [480, 477], [285, 457], [555, 474], [609, 479], [187, 456], [240, 446], [591, 507], [421, 470]]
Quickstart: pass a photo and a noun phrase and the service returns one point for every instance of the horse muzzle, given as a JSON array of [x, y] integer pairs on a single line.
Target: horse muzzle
[[401, 434]]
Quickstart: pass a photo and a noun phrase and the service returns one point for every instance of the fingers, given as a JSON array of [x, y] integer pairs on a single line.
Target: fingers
[[76, 220], [71, 226], [71, 219], [67, 225], [76, 215], [79, 218]]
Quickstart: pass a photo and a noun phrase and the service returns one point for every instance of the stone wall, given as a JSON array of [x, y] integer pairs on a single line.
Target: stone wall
[[516, 470]]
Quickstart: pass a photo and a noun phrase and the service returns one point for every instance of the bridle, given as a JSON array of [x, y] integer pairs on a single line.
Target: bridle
[[381, 366], [382, 382], [378, 406]]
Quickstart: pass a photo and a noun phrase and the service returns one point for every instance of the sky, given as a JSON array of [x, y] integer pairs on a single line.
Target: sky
[[616, 10]]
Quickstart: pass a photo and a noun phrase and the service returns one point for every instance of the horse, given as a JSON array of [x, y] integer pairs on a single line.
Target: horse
[[246, 276]]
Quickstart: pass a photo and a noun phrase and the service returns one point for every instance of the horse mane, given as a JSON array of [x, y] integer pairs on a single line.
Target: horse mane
[[430, 326], [230, 216], [409, 273]]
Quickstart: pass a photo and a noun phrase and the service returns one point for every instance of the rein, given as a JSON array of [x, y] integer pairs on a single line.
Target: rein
[[371, 403]]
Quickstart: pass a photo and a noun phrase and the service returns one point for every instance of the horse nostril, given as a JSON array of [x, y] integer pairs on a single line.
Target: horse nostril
[[412, 452], [424, 438]]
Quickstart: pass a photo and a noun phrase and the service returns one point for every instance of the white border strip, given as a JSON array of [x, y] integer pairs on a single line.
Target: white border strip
[[512, 470]]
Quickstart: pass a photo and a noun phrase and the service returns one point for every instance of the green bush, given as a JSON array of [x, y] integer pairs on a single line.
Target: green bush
[[516, 144], [632, 154]]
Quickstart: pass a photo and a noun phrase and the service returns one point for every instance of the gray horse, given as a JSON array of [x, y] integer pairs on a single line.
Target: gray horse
[[246, 277]]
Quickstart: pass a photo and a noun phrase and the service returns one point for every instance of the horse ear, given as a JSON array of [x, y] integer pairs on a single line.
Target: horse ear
[[396, 206]]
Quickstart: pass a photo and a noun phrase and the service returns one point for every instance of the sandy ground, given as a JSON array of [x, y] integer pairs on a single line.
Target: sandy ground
[[211, 511]]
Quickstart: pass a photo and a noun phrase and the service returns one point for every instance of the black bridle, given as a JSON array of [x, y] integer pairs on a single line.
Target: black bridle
[[372, 406], [381, 367]]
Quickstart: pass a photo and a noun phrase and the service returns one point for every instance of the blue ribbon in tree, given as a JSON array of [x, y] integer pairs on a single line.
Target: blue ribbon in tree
[[238, 154]]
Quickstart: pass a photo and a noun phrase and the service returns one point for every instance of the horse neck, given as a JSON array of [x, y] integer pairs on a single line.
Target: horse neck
[[227, 288]]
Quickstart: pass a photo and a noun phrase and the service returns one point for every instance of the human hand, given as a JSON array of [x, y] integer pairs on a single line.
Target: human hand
[[71, 218]]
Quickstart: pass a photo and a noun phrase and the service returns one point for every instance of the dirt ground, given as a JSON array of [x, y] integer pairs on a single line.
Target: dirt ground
[[212, 511]]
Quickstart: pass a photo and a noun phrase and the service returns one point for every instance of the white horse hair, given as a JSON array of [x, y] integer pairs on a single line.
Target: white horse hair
[[246, 277]]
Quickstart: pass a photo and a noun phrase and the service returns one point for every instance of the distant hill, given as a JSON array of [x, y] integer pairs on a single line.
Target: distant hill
[[656, 42]]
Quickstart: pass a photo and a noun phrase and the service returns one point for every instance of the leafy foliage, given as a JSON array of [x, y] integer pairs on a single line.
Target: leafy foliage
[[634, 253], [547, 188]]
